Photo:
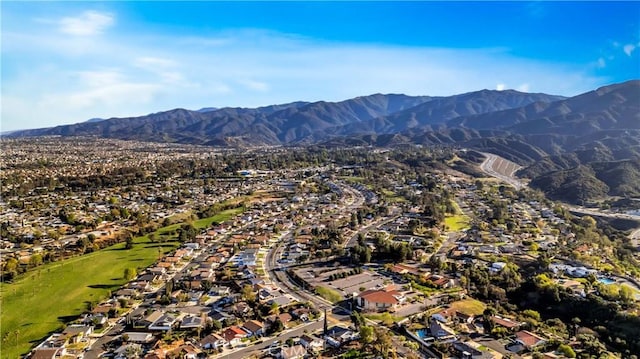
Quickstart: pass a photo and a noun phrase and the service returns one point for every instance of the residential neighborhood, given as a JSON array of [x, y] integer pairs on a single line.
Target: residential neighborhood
[[324, 260]]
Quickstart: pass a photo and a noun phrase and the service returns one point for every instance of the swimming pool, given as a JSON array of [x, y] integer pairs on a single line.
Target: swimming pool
[[605, 280]]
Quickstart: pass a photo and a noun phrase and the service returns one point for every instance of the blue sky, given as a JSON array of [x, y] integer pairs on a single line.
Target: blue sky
[[66, 62]]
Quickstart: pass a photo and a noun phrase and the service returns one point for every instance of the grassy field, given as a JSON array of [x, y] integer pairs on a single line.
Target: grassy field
[[386, 318], [43, 299], [457, 221], [469, 306], [223, 216], [329, 294]]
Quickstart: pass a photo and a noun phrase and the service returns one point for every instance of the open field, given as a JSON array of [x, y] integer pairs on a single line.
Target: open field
[[457, 222], [43, 299], [469, 306], [329, 294], [223, 216]]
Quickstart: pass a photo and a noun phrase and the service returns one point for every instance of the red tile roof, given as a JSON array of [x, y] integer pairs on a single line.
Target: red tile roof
[[380, 296]]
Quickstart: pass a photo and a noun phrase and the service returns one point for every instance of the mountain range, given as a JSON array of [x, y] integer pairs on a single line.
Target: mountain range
[[593, 137]]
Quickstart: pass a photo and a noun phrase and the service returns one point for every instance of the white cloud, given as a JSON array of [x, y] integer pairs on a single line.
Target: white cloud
[[86, 24], [144, 73], [154, 62], [602, 63], [628, 49], [523, 87], [255, 85]]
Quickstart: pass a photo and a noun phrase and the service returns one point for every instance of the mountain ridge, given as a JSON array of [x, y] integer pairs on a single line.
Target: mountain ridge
[[558, 140]]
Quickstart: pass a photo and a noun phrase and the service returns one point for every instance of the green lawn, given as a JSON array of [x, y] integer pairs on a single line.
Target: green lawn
[[386, 318], [41, 300], [469, 306], [221, 217], [329, 294], [457, 222]]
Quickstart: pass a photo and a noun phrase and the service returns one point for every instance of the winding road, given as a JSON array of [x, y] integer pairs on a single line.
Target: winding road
[[501, 169]]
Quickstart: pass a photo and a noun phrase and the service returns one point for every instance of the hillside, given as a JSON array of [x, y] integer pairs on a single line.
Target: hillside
[[594, 136]]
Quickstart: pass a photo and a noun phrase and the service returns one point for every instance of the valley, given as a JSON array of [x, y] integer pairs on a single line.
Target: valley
[[221, 253]]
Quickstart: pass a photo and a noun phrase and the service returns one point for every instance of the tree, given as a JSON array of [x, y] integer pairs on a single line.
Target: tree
[[487, 319], [276, 327], [357, 318], [169, 287], [216, 324], [382, 343], [129, 273], [35, 260], [10, 268], [274, 308], [129, 241], [366, 335], [248, 293], [567, 351]]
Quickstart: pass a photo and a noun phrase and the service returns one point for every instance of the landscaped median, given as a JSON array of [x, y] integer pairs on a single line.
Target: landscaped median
[[43, 299]]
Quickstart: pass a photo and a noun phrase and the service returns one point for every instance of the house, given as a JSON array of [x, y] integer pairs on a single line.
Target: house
[[337, 336], [139, 337], [379, 299], [98, 319], [285, 318], [188, 351], [254, 328], [220, 290], [528, 339], [148, 320], [48, 353], [165, 322], [440, 331], [497, 267], [125, 351], [301, 314], [219, 316], [233, 335], [77, 333], [506, 323], [466, 351], [213, 341], [281, 301], [464, 317], [311, 343], [240, 309], [293, 352], [191, 322]]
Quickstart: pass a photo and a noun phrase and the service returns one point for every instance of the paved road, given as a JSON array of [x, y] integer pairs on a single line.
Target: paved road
[[282, 337], [501, 169]]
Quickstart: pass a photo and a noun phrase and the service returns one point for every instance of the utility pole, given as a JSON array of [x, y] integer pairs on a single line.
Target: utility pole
[[326, 327]]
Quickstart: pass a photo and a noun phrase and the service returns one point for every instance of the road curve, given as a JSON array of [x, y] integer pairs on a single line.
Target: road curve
[[502, 169]]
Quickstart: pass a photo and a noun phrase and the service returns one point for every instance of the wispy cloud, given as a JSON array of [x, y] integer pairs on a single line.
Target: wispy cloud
[[86, 24], [628, 49], [601, 63], [71, 78]]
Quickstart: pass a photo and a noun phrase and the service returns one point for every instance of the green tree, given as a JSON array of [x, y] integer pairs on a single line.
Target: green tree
[[383, 342], [248, 293], [35, 260], [366, 335], [10, 268], [129, 273], [276, 327], [567, 351]]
